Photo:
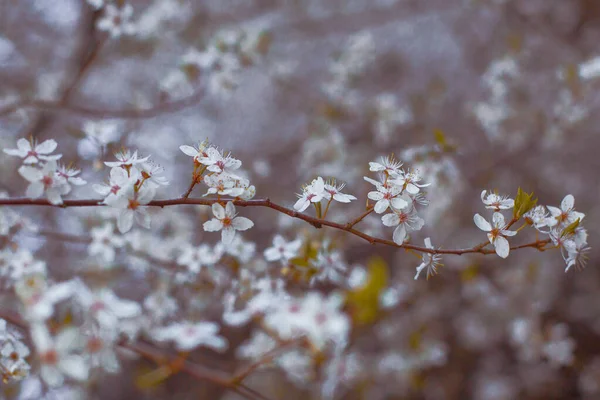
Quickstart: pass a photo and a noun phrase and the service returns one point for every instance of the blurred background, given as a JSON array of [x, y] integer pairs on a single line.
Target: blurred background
[[475, 94]]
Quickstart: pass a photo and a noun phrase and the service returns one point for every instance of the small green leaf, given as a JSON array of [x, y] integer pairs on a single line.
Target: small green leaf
[[570, 229], [523, 203]]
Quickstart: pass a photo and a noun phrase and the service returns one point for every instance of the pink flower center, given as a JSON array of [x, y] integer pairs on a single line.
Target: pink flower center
[[115, 189], [49, 357], [221, 165], [47, 181]]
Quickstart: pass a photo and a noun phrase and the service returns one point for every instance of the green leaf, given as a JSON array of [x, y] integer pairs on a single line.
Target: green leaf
[[523, 203], [570, 229]]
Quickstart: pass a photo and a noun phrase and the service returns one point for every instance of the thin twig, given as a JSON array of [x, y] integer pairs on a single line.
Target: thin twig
[[316, 222], [154, 354]]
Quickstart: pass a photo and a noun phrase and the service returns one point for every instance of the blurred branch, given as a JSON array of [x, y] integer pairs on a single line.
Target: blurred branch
[[133, 113], [267, 203], [154, 354]]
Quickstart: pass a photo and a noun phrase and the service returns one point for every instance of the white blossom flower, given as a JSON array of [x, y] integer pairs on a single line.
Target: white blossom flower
[[409, 181], [386, 196], [126, 159], [188, 336], [223, 185], [538, 217], [220, 163], [108, 310], [152, 174], [45, 180], [40, 301], [195, 257], [196, 152], [104, 242], [330, 266], [496, 234], [99, 349], [312, 193], [405, 222], [117, 21], [119, 179], [315, 316], [560, 347], [566, 214], [130, 202], [496, 202], [33, 154], [57, 355], [282, 250], [69, 174], [226, 221], [333, 191], [388, 165], [430, 262]]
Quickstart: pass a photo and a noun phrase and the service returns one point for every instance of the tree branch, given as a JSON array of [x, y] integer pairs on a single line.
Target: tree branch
[[154, 354], [267, 203]]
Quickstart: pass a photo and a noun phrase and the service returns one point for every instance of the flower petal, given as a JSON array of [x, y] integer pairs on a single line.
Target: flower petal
[[241, 223], [399, 234], [482, 223], [567, 203], [188, 150], [125, 220], [218, 211], [213, 225], [227, 235], [46, 147], [502, 246], [391, 219]]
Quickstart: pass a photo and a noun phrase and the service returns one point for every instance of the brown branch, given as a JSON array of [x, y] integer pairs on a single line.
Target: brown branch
[[132, 113], [154, 354], [316, 222]]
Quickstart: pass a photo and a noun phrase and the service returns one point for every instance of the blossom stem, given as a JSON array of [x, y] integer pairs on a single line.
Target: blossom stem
[[327, 208], [316, 222]]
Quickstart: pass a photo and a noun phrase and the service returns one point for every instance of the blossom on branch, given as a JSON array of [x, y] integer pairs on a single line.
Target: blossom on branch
[[497, 233], [226, 221]]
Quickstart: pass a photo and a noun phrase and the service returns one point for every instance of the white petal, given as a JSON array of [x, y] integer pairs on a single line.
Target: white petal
[[218, 211], [142, 217], [24, 145], [498, 220], [51, 375], [417, 224], [46, 147], [125, 220], [229, 210], [15, 152], [53, 195], [391, 219], [554, 211], [35, 190], [188, 150], [213, 225], [32, 174], [508, 233], [375, 195], [482, 223], [75, 367], [399, 203], [399, 234], [412, 189], [502, 246], [381, 206], [227, 235], [302, 204], [241, 223], [567, 203]]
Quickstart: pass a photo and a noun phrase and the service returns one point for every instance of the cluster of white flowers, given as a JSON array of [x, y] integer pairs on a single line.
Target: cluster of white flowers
[[13, 354], [314, 316], [319, 190], [227, 54], [133, 183], [562, 225], [400, 192], [41, 170], [116, 19]]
